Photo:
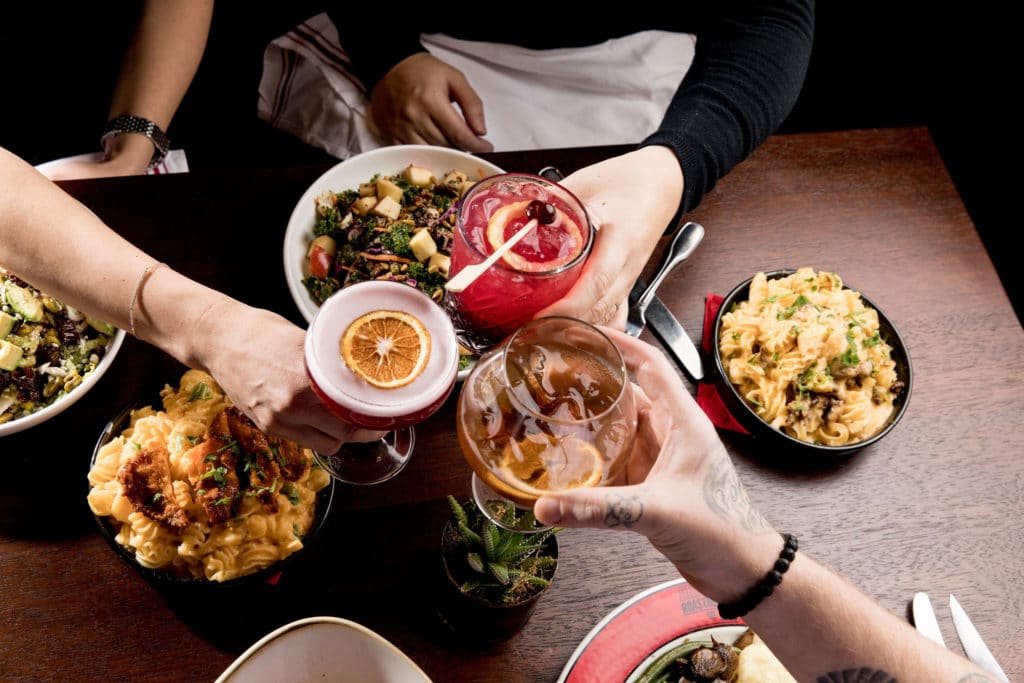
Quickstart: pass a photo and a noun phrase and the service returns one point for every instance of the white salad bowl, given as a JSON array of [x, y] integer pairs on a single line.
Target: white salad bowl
[[348, 175]]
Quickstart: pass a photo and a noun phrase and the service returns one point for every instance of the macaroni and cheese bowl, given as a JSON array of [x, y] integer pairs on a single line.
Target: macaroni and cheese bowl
[[808, 364], [190, 492]]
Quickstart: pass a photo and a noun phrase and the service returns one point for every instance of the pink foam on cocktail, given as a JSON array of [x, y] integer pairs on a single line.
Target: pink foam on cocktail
[[352, 398]]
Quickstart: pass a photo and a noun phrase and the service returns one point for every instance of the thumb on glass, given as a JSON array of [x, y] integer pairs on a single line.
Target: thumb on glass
[[598, 508]]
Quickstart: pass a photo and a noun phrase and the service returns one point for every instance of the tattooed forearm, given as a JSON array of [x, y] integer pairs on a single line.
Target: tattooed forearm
[[624, 510], [725, 495], [862, 675]]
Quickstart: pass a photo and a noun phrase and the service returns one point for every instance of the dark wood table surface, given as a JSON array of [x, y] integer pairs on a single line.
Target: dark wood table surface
[[937, 506]]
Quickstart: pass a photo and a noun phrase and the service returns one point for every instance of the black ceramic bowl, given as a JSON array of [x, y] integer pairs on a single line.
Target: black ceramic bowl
[[267, 575], [777, 441]]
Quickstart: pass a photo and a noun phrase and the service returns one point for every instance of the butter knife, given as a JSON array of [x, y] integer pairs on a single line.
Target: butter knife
[[685, 241], [973, 645], [668, 330], [924, 619]]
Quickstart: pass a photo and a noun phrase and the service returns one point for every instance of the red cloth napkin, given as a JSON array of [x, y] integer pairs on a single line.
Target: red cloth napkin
[[707, 393]]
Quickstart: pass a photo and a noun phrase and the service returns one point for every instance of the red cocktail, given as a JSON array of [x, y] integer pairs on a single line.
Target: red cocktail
[[380, 355], [538, 271]]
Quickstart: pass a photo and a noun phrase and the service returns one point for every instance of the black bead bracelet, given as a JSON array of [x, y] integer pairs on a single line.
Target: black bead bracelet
[[763, 588]]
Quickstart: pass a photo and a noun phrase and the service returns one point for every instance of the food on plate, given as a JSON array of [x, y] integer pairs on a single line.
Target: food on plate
[[807, 354], [392, 227], [748, 660], [46, 348], [757, 664], [197, 490]]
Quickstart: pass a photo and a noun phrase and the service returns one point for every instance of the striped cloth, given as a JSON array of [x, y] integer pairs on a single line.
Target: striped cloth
[[615, 92]]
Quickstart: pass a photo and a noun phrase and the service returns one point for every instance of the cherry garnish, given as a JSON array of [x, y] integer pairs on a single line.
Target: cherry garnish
[[542, 211]]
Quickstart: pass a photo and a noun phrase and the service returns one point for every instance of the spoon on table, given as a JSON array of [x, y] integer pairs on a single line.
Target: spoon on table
[[465, 277]]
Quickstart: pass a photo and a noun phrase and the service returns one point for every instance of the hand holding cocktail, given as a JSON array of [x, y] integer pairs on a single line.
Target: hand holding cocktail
[[551, 409]]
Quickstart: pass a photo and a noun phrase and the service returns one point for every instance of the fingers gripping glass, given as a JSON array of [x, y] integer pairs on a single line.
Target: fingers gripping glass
[[551, 409]]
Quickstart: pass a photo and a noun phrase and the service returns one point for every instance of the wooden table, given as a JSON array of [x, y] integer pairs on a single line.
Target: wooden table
[[937, 506]]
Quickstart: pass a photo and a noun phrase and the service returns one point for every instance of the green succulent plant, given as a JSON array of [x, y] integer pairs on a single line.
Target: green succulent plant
[[496, 564]]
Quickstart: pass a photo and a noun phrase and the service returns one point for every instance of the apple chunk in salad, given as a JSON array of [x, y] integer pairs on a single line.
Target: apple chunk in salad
[[392, 227]]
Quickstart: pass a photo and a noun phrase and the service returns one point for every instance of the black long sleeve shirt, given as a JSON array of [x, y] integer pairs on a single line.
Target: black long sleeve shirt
[[749, 65]]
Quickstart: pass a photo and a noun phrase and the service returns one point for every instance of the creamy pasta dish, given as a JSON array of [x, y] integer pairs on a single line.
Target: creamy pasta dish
[[807, 354], [198, 490]]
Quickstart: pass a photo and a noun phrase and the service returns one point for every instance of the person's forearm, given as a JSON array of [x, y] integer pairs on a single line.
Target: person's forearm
[[748, 70], [158, 67], [55, 243], [817, 623], [370, 56]]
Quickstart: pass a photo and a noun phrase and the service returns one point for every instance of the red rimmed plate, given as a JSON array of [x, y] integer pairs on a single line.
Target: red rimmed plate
[[634, 634]]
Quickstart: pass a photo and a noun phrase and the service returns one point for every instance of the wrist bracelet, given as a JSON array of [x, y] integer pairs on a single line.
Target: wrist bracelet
[[140, 126], [763, 588], [139, 284]]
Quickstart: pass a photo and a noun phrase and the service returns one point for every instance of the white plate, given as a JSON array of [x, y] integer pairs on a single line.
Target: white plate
[[69, 399], [323, 649], [633, 635], [347, 176]]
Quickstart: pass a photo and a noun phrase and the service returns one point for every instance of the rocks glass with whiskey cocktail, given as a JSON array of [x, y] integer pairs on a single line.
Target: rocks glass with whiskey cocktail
[[550, 409], [536, 272], [382, 356]]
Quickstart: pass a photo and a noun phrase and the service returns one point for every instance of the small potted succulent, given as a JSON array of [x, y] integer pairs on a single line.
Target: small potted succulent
[[493, 577]]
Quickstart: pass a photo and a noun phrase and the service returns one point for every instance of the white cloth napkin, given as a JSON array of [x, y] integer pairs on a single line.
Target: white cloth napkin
[[615, 92]]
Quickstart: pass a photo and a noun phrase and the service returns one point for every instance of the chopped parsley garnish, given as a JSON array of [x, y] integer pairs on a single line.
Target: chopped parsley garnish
[[292, 493], [200, 392], [849, 356], [803, 382], [788, 313], [218, 474]]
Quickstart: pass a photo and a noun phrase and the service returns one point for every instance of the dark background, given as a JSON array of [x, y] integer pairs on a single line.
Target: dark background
[[874, 64]]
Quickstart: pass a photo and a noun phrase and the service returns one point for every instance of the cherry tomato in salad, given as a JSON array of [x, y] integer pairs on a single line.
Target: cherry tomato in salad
[[321, 255]]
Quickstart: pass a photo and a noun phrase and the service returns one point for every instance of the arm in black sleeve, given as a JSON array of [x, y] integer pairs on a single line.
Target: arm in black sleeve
[[373, 55], [749, 66]]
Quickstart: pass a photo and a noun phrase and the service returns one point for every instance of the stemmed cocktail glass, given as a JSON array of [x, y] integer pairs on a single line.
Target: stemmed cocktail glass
[[382, 356], [550, 409]]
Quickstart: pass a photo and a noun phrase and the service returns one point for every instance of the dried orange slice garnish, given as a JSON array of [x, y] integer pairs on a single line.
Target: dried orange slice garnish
[[388, 349], [540, 463]]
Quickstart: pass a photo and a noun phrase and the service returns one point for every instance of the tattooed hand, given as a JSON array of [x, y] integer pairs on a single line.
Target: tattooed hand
[[682, 492], [680, 488]]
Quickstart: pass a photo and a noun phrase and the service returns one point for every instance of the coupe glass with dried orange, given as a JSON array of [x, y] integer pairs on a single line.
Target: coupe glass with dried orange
[[382, 356], [551, 409]]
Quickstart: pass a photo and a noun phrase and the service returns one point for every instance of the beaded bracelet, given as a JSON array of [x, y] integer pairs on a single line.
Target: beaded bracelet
[[138, 291], [763, 588]]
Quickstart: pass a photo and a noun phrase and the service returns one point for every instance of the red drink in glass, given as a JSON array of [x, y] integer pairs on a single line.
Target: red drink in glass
[[538, 271], [353, 399]]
